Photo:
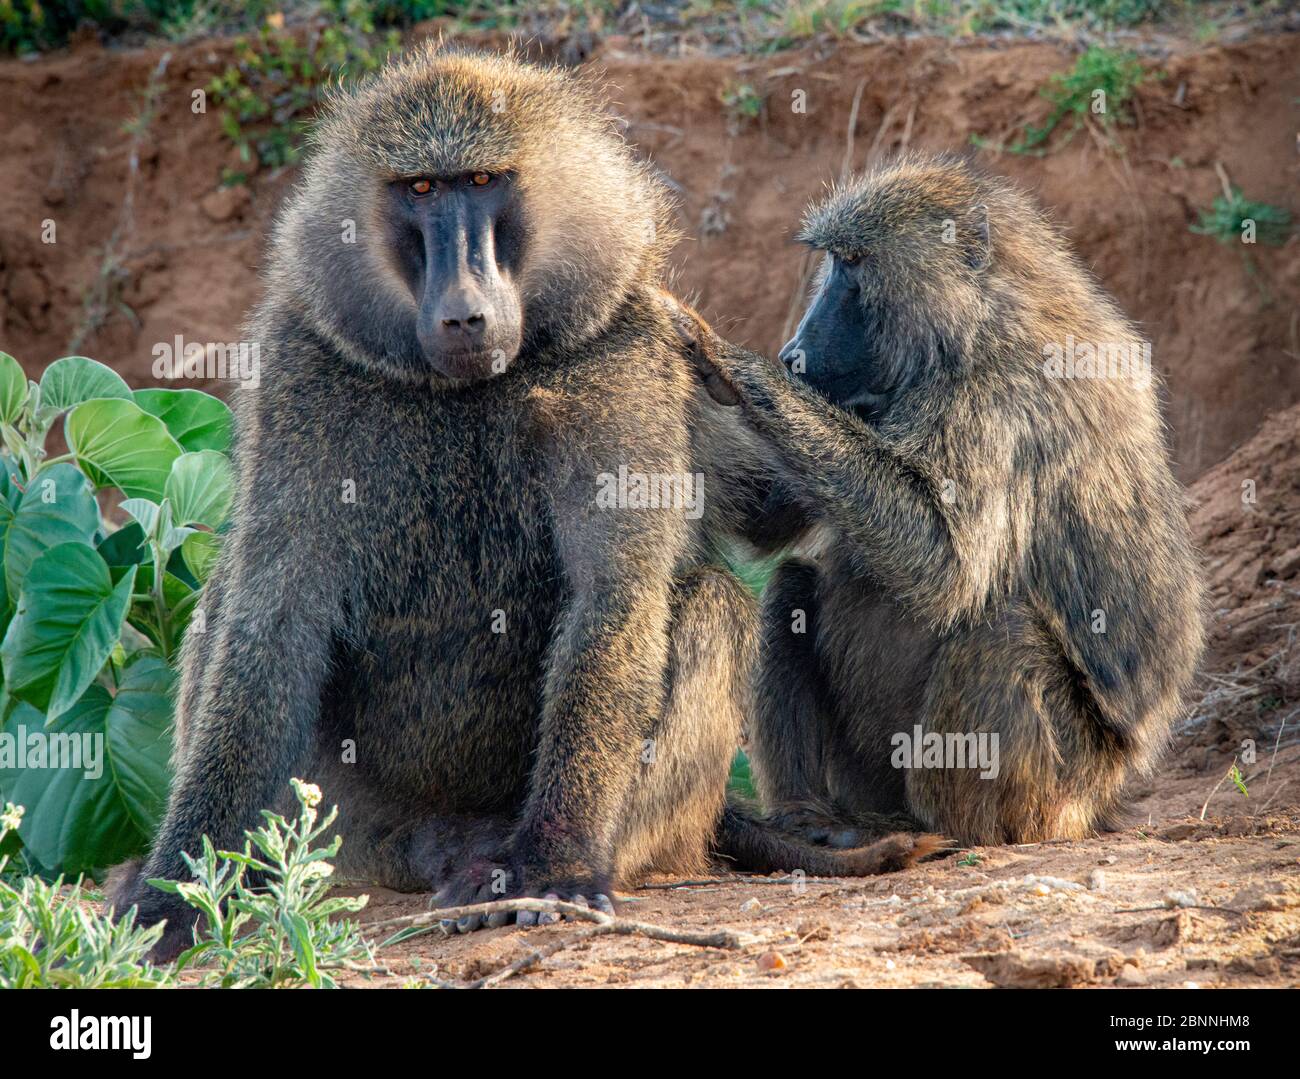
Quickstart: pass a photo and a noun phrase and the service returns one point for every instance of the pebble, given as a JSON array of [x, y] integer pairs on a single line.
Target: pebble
[[1131, 975]]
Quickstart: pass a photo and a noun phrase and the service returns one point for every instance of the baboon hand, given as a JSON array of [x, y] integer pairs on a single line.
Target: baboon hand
[[487, 882], [128, 889], [700, 346]]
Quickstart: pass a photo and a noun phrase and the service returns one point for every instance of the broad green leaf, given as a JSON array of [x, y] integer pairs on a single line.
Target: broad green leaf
[[201, 488], [201, 551], [139, 738], [178, 568], [103, 806], [11, 475], [125, 547], [69, 618], [122, 445], [58, 508], [144, 511], [197, 420], [74, 379], [13, 388], [174, 537]]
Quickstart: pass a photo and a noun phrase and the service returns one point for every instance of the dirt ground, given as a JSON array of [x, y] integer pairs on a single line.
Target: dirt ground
[[150, 246]]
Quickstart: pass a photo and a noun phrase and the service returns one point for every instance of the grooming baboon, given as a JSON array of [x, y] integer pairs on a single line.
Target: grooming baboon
[[510, 686], [993, 541]]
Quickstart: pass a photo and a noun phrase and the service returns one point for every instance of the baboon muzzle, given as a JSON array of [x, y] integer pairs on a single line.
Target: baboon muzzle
[[469, 319]]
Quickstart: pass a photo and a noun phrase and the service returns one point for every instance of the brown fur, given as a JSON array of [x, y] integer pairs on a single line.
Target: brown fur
[[955, 544], [590, 741]]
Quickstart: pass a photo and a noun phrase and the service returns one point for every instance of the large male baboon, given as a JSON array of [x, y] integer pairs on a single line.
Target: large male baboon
[[995, 558], [465, 586]]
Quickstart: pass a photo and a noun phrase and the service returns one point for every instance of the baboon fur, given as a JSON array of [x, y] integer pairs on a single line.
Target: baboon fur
[[981, 549], [419, 605]]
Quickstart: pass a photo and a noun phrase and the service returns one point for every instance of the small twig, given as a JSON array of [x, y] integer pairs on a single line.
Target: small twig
[[798, 298], [1272, 797], [1189, 906], [1268, 779], [1219, 784], [847, 165], [1223, 180], [605, 924], [905, 139], [669, 885], [885, 123]]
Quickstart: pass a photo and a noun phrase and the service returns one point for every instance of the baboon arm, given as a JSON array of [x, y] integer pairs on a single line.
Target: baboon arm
[[604, 689], [252, 691], [945, 558], [606, 677]]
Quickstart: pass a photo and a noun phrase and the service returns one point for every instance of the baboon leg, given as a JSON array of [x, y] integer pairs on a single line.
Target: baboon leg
[[671, 816], [790, 729], [812, 779], [1055, 774]]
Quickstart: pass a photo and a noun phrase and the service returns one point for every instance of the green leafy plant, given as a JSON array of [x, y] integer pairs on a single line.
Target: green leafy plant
[[1238, 780], [1231, 214], [282, 933], [50, 938], [742, 102], [92, 616], [277, 79], [741, 780], [1101, 84]]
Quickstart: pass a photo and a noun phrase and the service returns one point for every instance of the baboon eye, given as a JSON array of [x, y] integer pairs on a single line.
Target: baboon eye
[[851, 260], [481, 179], [420, 187]]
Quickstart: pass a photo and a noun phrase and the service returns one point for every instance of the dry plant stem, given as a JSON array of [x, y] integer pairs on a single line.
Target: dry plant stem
[[847, 165], [1219, 784], [605, 925], [672, 884], [718, 938]]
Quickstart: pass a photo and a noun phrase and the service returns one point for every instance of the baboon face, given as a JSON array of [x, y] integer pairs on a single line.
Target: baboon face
[[464, 212], [835, 348], [901, 285], [458, 243]]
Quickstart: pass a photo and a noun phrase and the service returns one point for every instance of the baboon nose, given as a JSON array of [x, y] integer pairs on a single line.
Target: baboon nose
[[470, 326], [792, 351]]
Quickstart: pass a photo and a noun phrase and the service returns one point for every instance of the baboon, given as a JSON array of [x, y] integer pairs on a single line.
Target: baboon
[[972, 465], [510, 683]]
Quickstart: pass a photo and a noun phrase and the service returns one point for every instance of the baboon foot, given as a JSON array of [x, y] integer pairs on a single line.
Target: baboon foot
[[487, 881], [127, 888]]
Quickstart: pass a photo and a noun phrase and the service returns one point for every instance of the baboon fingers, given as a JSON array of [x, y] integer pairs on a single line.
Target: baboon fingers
[[700, 348]]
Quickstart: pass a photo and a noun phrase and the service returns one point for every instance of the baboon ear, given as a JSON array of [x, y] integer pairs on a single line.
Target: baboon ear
[[979, 252]]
